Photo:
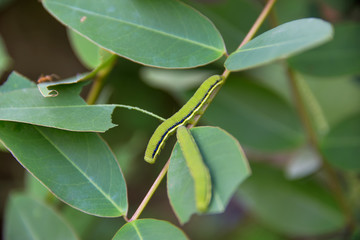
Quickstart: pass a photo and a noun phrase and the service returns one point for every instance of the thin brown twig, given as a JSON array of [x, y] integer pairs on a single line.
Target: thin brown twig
[[255, 27], [150, 192], [258, 22]]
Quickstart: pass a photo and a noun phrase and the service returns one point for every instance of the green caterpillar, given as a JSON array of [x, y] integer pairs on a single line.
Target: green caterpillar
[[192, 108], [198, 170]]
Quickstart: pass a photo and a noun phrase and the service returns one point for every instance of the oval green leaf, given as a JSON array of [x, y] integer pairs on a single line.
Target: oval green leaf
[[258, 117], [149, 229], [298, 208], [279, 43], [339, 57], [21, 101], [29, 219], [158, 33], [79, 168], [227, 164], [341, 146]]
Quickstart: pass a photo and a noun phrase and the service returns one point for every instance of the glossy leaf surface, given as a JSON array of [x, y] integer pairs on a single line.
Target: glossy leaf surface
[[226, 162], [152, 32], [78, 168], [281, 42], [21, 101]]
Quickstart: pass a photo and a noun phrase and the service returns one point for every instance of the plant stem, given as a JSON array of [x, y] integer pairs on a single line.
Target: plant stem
[[255, 27], [313, 141], [100, 81], [225, 74], [300, 106], [150, 192], [258, 22]]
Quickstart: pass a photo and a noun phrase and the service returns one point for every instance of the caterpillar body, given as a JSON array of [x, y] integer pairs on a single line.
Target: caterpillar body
[[198, 170], [185, 115]]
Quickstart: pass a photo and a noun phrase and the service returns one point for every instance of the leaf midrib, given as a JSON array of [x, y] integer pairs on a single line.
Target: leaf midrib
[[80, 170], [137, 230], [245, 49], [139, 26]]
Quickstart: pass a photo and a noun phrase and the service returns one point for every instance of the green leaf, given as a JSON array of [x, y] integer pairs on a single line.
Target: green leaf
[[337, 58], [227, 164], [258, 117], [27, 218], [68, 110], [197, 168], [16, 82], [299, 208], [341, 146], [279, 43], [78, 168], [158, 33], [149, 229]]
